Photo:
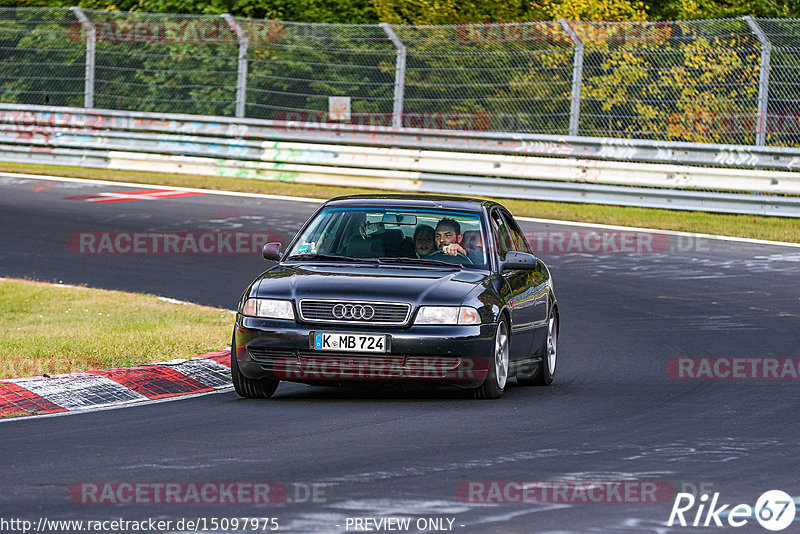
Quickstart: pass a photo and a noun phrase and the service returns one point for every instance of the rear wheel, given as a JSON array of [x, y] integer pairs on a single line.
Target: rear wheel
[[262, 388], [549, 358], [495, 383]]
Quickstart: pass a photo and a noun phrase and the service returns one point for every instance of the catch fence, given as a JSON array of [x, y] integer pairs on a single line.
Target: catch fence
[[731, 81]]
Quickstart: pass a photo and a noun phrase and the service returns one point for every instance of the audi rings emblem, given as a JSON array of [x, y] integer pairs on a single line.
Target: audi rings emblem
[[358, 312]]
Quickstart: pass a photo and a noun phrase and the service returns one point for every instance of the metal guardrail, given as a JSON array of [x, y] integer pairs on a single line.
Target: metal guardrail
[[278, 155], [594, 170], [602, 148]]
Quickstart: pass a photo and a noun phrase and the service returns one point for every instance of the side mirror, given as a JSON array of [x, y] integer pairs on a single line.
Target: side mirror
[[519, 260], [271, 251]]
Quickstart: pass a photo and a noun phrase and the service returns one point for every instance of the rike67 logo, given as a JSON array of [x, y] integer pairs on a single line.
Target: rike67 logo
[[774, 510]]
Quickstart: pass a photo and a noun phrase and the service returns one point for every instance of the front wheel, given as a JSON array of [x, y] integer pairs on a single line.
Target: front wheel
[[495, 383], [262, 388]]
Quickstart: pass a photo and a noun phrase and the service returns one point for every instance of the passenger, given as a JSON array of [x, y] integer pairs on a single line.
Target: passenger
[[448, 237], [423, 240]]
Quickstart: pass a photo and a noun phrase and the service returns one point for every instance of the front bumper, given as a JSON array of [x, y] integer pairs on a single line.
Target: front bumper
[[455, 355]]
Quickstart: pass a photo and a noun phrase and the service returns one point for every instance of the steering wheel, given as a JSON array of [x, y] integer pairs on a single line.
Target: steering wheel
[[460, 255]]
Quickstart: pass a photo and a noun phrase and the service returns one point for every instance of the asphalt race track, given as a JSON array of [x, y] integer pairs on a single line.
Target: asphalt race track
[[618, 412]]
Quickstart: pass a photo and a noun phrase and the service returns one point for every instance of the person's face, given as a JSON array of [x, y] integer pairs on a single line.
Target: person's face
[[446, 235], [423, 243]]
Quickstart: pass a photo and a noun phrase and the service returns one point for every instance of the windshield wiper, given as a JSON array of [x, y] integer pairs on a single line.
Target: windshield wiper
[[331, 257], [420, 261]]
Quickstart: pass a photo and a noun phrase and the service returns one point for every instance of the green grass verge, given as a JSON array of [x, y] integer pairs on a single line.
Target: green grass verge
[[770, 228], [53, 329]]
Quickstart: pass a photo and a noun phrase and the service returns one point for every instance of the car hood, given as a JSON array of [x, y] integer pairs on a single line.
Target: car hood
[[368, 283]]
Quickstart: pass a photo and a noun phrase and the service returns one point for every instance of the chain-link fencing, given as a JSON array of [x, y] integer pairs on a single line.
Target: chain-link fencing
[[41, 60], [158, 63], [715, 81], [783, 106]]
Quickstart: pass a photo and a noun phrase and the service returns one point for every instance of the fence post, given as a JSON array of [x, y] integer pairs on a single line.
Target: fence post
[[241, 81], [399, 75], [91, 42], [763, 80], [577, 77]]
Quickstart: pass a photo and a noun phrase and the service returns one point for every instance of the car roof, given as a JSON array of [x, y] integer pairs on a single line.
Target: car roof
[[412, 201]]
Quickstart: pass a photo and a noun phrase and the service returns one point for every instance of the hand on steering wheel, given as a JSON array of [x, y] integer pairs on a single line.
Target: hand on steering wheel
[[457, 255]]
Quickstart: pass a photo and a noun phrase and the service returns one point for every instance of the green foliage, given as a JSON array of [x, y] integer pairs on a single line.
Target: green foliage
[[33, 55], [502, 77], [61, 329], [695, 80], [691, 81], [718, 9], [292, 76], [428, 12], [335, 11], [594, 10]]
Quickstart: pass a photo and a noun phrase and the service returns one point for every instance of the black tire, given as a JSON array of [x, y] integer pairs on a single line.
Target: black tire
[[547, 370], [247, 387], [495, 383]]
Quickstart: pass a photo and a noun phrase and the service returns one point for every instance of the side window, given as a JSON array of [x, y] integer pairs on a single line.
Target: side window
[[516, 234], [502, 237]]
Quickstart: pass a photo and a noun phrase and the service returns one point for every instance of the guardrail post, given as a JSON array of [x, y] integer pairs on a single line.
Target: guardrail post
[[399, 75], [577, 77], [241, 82], [91, 42], [763, 80]]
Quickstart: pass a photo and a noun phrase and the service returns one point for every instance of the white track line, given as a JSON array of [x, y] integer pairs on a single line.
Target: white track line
[[153, 186], [667, 232], [318, 201]]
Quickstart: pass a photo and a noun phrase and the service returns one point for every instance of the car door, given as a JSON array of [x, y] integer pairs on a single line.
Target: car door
[[520, 303], [536, 280]]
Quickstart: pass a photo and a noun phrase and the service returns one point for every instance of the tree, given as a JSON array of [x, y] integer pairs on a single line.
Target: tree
[[591, 10], [435, 12], [720, 9]]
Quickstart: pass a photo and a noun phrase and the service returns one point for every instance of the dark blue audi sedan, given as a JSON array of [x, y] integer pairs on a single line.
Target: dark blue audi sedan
[[435, 290]]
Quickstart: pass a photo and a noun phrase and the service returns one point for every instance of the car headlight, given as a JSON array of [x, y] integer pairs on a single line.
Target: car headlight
[[274, 309], [447, 315]]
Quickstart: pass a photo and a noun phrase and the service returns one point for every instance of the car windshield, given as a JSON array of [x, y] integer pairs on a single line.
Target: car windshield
[[394, 236]]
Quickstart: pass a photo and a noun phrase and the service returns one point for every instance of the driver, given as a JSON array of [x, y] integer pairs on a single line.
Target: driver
[[448, 237]]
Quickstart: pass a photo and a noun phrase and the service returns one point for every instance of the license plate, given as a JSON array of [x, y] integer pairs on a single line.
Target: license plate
[[349, 342]]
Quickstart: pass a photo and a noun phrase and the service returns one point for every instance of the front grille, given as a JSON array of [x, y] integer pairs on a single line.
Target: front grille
[[396, 360], [377, 313], [270, 355], [306, 365], [383, 361], [349, 358], [350, 366]]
